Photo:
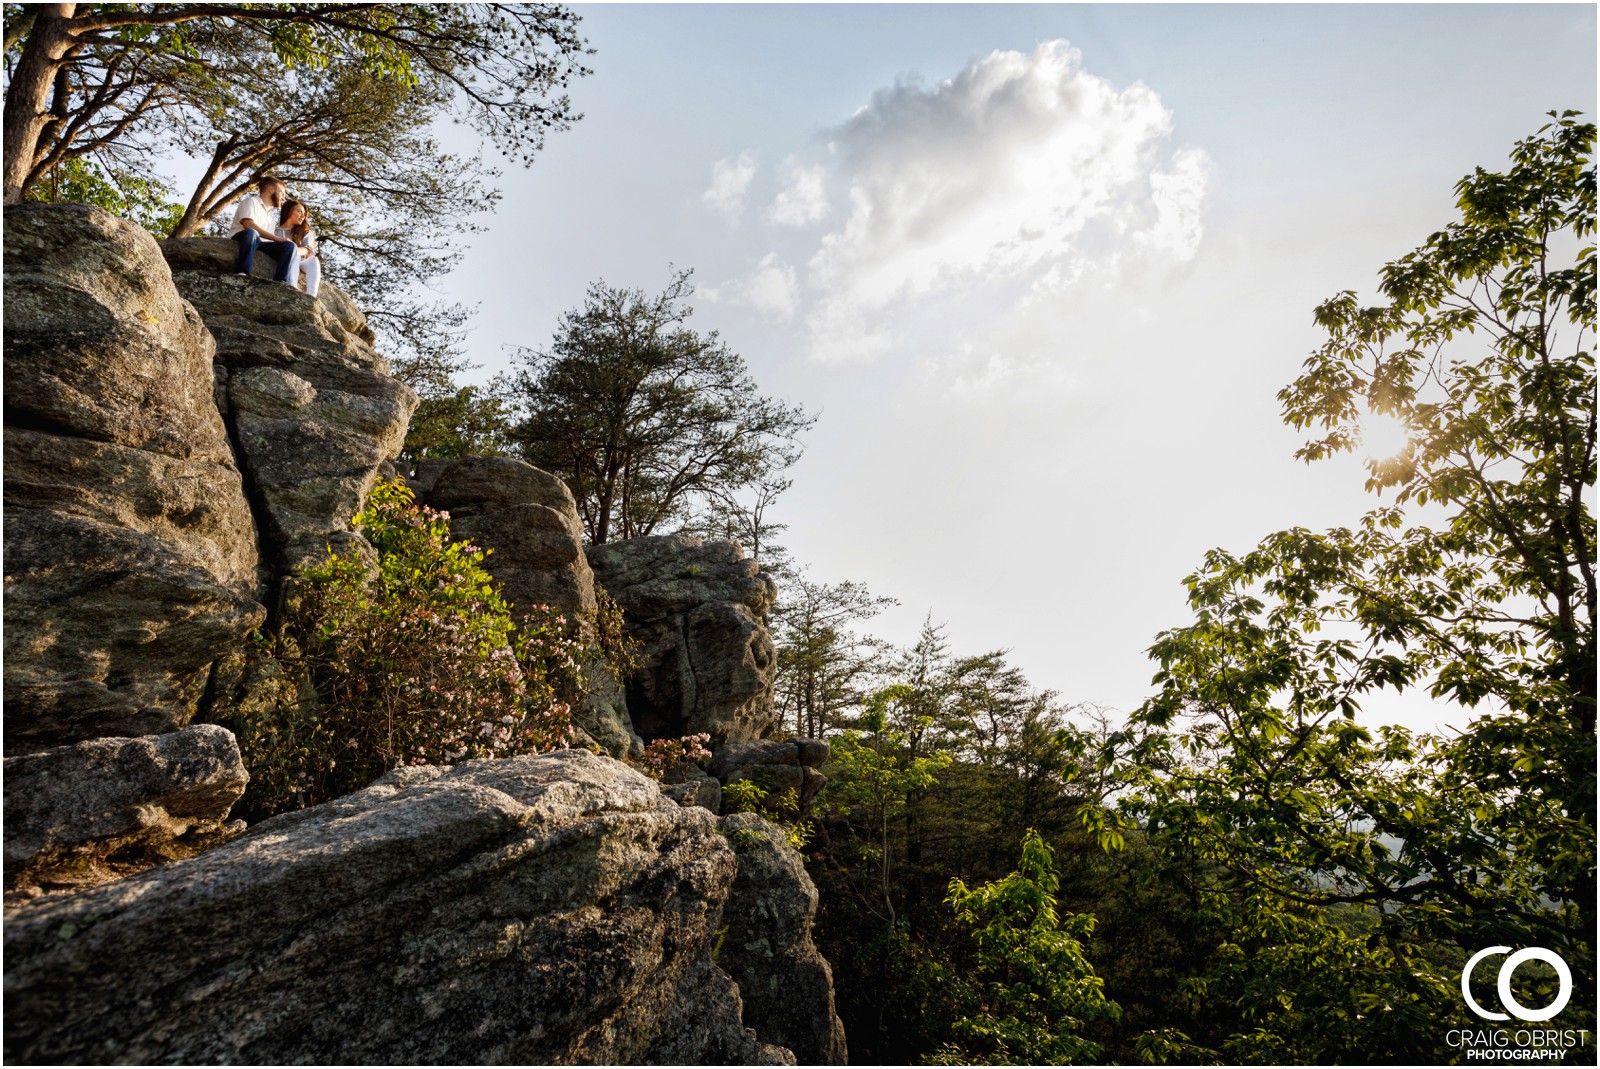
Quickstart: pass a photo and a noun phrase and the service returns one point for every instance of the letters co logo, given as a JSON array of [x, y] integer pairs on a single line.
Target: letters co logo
[[1507, 968]]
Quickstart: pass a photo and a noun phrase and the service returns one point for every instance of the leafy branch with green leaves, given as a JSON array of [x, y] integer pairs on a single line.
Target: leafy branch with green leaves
[[1253, 751]]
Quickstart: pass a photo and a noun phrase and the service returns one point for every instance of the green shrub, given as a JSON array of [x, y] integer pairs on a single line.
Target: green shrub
[[622, 652], [759, 795], [1031, 990], [412, 659]]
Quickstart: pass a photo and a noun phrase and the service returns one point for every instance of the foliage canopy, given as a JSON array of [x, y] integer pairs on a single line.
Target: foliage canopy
[[1032, 988], [644, 417], [1483, 350], [337, 99]]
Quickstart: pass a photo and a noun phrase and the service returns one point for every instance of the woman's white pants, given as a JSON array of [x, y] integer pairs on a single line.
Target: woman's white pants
[[312, 266]]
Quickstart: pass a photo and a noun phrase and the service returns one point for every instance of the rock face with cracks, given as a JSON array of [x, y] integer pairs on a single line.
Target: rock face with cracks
[[178, 441], [708, 663], [776, 766], [786, 983], [73, 806], [130, 563], [312, 408], [549, 910], [529, 520]]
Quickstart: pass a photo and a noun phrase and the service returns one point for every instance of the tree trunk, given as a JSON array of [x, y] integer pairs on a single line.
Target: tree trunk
[[194, 216], [46, 46], [602, 523]]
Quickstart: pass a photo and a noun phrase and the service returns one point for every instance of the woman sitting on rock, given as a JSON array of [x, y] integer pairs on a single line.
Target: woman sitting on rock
[[295, 225]]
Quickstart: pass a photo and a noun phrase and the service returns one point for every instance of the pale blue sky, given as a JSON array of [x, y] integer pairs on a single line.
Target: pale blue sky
[[1032, 432]]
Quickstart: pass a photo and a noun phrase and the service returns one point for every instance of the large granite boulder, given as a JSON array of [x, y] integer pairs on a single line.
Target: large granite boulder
[[314, 412], [76, 813], [130, 562], [708, 662], [539, 910], [784, 980], [530, 521]]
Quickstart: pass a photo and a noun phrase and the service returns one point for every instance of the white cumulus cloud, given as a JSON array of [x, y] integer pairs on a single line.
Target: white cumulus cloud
[[730, 181], [772, 289], [1023, 170], [1178, 192], [803, 199]]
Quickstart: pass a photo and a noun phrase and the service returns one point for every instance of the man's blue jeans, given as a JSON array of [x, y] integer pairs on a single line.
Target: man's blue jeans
[[249, 241]]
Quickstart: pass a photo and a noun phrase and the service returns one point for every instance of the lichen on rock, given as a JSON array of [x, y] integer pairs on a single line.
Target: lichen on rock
[[786, 984], [130, 550], [82, 813], [536, 910]]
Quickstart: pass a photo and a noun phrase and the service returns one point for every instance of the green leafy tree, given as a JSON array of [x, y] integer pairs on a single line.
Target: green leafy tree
[[1006, 753], [644, 417], [84, 78], [874, 770], [340, 100], [390, 206], [1301, 984], [1482, 351], [455, 421], [146, 201], [1031, 989]]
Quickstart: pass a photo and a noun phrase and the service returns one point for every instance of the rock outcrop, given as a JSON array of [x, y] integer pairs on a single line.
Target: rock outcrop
[[784, 980], [539, 910], [73, 808], [130, 562], [313, 411], [709, 663], [777, 766], [178, 441], [528, 517]]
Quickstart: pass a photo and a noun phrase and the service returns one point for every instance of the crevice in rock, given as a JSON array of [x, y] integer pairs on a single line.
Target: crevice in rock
[[18, 419], [208, 694], [691, 690], [269, 551]]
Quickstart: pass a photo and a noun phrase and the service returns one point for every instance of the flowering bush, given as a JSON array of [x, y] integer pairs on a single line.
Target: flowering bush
[[665, 756], [414, 660]]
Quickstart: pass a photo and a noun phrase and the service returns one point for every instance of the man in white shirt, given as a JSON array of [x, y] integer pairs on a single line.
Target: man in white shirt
[[253, 223]]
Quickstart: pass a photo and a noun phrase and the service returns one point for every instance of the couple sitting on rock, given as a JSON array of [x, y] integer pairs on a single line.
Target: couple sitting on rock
[[281, 227]]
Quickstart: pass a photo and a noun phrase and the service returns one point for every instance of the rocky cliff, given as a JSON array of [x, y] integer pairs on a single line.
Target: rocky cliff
[[709, 662], [130, 563], [540, 910], [312, 409], [178, 440]]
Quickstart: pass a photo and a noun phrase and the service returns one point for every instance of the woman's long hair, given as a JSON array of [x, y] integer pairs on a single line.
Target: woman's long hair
[[299, 231]]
